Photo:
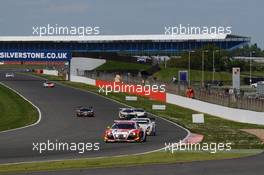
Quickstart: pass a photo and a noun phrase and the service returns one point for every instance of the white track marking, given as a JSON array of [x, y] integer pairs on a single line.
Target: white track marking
[[23, 127], [100, 157]]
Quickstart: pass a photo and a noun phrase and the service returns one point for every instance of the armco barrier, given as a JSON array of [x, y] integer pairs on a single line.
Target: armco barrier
[[239, 115], [50, 72], [84, 80]]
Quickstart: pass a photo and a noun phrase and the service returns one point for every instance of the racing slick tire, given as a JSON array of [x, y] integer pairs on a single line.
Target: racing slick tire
[[143, 139]]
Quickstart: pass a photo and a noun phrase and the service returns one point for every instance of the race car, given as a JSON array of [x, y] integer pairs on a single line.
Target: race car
[[82, 111], [125, 131], [127, 113], [48, 84], [147, 124], [140, 112], [9, 75]]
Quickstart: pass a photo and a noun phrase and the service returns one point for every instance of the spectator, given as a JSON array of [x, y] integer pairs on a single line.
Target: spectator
[[117, 78], [174, 79], [143, 82], [190, 92]]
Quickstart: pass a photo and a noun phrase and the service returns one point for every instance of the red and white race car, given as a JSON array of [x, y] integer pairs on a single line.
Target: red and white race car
[[48, 84], [125, 131]]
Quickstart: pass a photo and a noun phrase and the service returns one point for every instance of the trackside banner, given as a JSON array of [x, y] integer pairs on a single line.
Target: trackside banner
[[35, 56], [154, 93]]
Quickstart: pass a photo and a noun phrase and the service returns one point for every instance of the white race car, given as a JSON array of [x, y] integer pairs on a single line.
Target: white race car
[[140, 112], [125, 131], [9, 75], [147, 124], [127, 113], [48, 84]]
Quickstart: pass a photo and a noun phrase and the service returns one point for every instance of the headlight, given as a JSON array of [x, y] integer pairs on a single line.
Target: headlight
[[133, 133]]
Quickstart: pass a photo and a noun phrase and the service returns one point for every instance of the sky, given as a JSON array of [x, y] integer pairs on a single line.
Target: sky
[[18, 17]]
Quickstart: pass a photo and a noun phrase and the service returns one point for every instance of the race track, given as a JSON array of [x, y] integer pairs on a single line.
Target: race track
[[59, 123]]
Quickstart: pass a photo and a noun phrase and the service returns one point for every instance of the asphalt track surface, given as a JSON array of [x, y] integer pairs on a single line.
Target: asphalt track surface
[[59, 124], [57, 106]]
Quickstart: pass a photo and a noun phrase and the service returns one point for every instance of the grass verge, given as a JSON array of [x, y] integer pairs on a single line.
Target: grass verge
[[121, 161], [15, 112], [168, 73], [115, 66], [196, 75]]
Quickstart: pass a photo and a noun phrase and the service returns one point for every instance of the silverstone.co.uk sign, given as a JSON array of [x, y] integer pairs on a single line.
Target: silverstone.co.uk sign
[[35, 55]]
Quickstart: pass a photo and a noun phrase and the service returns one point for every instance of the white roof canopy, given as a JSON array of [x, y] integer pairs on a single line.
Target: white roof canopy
[[114, 37]]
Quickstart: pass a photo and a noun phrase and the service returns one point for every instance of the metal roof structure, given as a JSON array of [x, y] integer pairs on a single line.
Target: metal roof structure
[[119, 37], [123, 44]]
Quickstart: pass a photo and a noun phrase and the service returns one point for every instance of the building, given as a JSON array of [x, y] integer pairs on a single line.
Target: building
[[125, 44]]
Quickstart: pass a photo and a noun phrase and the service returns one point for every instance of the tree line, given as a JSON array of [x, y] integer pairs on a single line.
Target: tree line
[[223, 60]]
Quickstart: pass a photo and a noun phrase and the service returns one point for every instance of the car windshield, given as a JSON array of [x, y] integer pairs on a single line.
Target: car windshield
[[123, 126], [139, 110], [142, 121], [130, 116], [85, 109], [128, 110]]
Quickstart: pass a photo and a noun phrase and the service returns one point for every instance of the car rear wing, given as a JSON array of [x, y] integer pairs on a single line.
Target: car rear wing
[[124, 121], [120, 109], [150, 117], [79, 107]]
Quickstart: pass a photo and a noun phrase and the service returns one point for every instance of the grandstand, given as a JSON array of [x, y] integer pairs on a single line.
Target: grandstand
[[125, 44]]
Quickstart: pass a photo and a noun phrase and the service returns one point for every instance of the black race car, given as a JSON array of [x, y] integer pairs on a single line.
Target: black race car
[[84, 111]]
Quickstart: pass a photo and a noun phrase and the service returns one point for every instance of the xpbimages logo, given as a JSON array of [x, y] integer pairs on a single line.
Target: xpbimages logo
[[50, 30], [133, 89], [196, 30], [57, 146], [198, 147]]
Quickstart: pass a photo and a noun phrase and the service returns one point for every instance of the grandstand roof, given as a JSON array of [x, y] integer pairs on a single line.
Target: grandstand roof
[[120, 37]]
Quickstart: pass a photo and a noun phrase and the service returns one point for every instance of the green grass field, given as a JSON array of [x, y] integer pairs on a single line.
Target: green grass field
[[15, 111], [125, 161], [168, 73], [115, 66], [196, 75]]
